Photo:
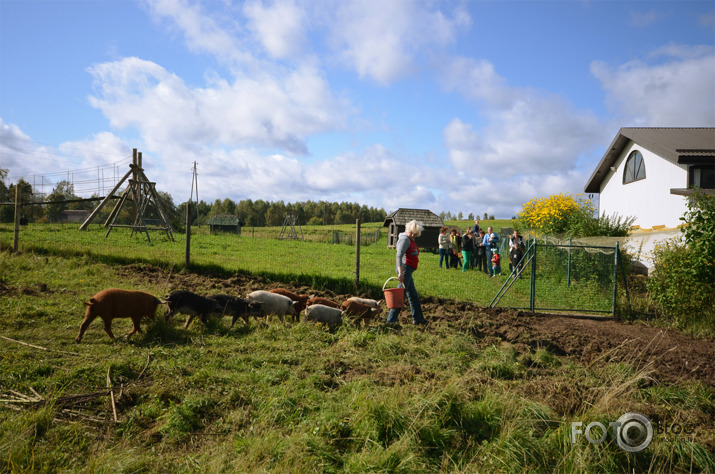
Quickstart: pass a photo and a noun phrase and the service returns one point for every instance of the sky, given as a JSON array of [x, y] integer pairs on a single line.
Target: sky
[[463, 106]]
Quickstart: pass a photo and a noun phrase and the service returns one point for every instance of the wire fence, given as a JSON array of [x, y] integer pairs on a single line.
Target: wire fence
[[566, 277], [553, 276]]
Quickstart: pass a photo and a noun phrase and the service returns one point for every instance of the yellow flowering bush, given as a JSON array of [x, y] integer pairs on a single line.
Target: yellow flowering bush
[[558, 214]]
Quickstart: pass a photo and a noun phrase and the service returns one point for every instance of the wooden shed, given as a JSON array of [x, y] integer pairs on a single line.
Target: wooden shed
[[396, 221], [225, 223], [77, 215]]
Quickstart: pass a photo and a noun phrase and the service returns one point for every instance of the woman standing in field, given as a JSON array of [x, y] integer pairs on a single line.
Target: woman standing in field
[[445, 247], [481, 253], [467, 248], [408, 256]]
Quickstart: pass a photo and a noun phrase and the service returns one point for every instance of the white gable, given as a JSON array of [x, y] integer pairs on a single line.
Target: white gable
[[648, 200]]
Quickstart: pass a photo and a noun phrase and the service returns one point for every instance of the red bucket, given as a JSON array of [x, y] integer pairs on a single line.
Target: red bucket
[[394, 297]]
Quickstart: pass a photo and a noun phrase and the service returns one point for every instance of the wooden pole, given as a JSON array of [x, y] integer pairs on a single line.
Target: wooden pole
[[133, 181], [187, 260], [16, 237], [357, 255]]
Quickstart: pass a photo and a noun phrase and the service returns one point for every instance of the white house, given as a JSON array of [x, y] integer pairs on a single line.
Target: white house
[[648, 172]]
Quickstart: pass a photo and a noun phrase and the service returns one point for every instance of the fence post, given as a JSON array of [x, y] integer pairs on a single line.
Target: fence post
[[625, 283], [187, 260], [568, 270], [357, 255], [532, 297], [16, 234], [615, 280]]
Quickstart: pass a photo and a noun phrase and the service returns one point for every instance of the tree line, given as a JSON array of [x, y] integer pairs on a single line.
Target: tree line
[[260, 213], [256, 213]]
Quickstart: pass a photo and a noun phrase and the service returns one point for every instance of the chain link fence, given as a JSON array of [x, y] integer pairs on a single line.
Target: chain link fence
[[563, 276]]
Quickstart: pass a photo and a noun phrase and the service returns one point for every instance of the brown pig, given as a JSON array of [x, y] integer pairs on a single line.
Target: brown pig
[[323, 301], [116, 303], [362, 312]]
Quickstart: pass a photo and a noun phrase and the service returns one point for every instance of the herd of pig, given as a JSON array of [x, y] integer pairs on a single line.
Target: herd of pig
[[116, 303]]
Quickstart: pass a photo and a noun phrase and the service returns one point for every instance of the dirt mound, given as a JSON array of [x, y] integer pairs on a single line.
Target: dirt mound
[[670, 355]]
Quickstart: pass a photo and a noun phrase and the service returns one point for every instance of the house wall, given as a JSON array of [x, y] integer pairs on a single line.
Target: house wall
[[649, 200]]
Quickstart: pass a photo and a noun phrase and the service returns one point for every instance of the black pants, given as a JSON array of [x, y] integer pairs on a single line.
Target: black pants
[[482, 264]]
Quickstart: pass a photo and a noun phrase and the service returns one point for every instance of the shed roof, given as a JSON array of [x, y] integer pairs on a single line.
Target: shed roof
[[677, 145], [225, 220], [403, 216]]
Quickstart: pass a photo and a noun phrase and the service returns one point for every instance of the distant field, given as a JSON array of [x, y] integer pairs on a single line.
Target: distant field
[[257, 251]]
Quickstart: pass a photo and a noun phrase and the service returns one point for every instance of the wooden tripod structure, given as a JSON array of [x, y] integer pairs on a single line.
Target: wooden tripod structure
[[292, 234], [142, 193]]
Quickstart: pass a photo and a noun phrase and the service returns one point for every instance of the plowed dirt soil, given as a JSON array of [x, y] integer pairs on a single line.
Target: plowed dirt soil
[[668, 355]]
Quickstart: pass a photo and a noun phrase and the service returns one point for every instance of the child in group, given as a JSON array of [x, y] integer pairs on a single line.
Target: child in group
[[496, 262], [515, 255], [456, 239]]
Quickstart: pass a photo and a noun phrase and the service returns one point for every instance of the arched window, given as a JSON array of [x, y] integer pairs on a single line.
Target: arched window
[[635, 168]]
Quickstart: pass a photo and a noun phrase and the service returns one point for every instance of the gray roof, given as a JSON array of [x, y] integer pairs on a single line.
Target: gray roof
[[403, 216], [677, 145], [225, 220]]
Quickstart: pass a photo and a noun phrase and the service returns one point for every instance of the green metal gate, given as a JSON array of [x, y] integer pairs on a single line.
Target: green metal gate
[[565, 277]]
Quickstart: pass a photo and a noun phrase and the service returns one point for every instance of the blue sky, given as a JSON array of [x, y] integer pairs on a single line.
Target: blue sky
[[474, 106]]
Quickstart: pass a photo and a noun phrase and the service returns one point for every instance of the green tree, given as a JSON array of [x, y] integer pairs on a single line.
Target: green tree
[[63, 191], [25, 197], [3, 186], [6, 212]]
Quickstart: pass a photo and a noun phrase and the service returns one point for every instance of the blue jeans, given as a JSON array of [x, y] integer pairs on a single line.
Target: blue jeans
[[444, 255], [412, 298]]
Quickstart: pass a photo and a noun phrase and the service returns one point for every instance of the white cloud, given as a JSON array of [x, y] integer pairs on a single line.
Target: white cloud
[[202, 32], [381, 40], [279, 27], [676, 92], [86, 163], [525, 131], [477, 80], [265, 111]]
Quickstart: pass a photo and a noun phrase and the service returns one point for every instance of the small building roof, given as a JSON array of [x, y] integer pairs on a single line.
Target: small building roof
[[226, 220], [403, 216], [677, 145]]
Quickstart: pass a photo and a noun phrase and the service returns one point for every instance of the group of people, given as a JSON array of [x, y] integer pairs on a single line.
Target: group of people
[[477, 249]]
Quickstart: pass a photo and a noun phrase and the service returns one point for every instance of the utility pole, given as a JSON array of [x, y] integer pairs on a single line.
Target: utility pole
[[194, 180]]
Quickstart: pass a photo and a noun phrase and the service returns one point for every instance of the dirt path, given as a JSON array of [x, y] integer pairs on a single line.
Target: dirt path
[[670, 355]]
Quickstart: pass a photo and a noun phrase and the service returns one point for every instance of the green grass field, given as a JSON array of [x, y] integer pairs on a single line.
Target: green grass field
[[311, 262], [295, 397]]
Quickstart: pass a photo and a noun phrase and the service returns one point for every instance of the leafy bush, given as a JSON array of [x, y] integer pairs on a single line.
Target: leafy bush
[[565, 214], [699, 232], [683, 280]]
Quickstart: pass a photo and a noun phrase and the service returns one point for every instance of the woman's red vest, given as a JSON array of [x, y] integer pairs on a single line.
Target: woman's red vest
[[412, 256]]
